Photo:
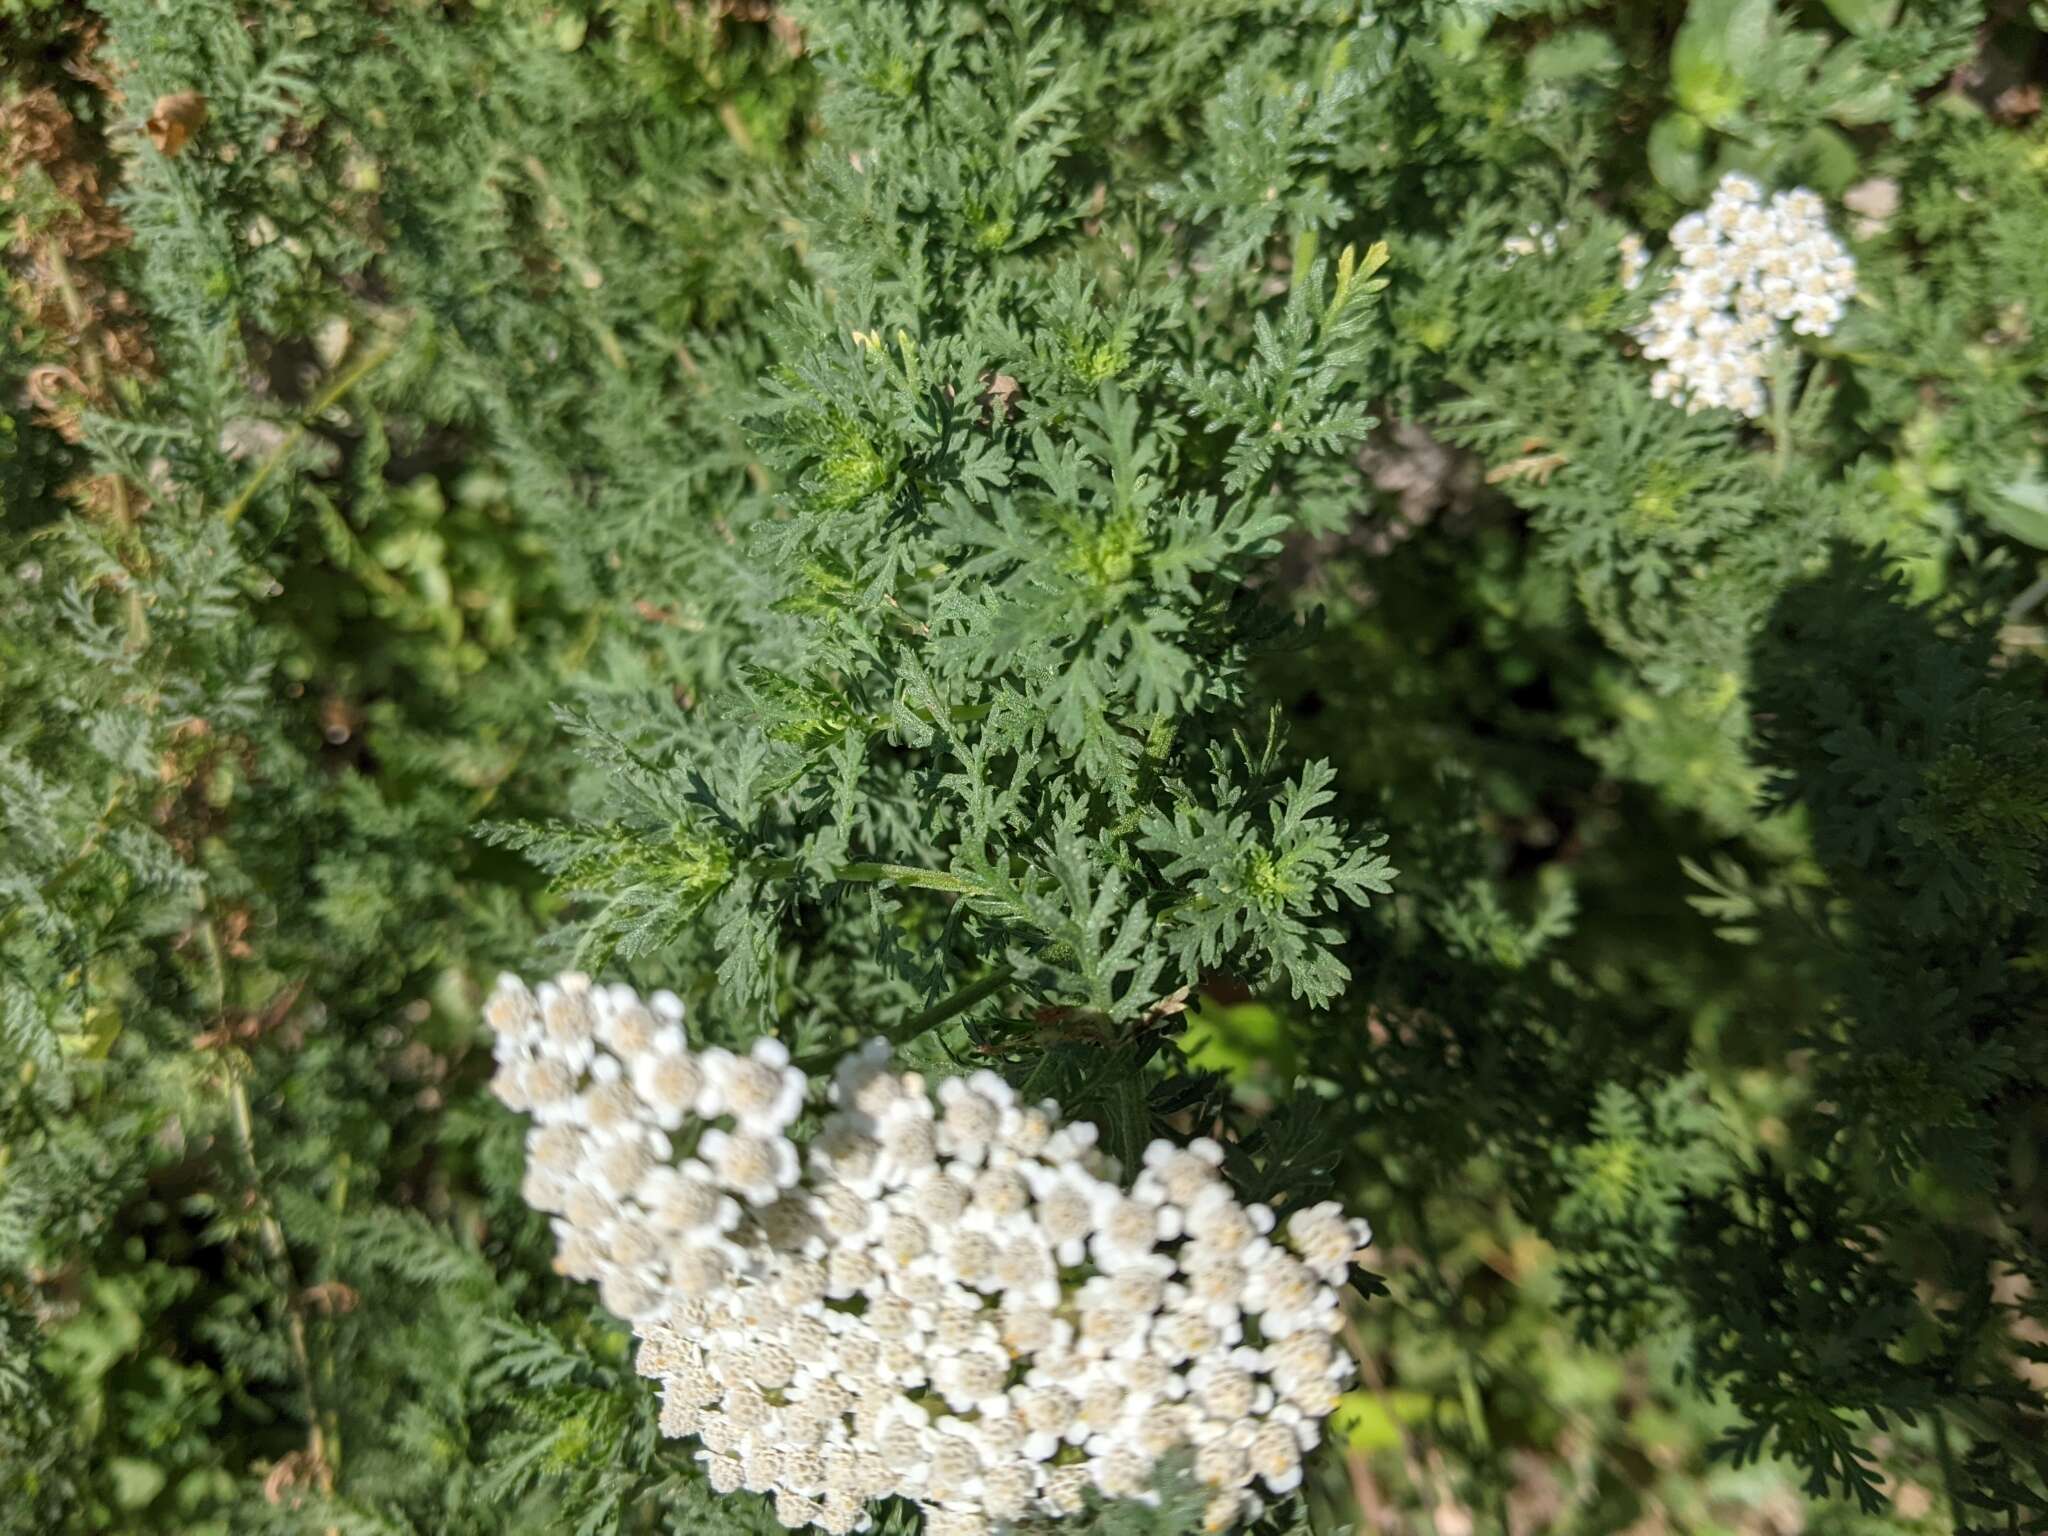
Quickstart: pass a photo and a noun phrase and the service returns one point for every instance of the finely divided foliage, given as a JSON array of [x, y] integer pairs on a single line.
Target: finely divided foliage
[[1012, 572], [1429, 608]]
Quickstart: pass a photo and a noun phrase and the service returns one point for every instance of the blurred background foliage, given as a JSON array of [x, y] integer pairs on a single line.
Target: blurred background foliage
[[370, 379]]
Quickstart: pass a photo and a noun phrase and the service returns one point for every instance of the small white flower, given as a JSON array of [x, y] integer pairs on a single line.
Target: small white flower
[[756, 1168], [513, 1016], [760, 1090], [1179, 1174], [1001, 1203], [1122, 1472], [626, 1293], [568, 1026], [1304, 1356], [1026, 1269], [1533, 241], [684, 1199], [1316, 1397], [1289, 1296], [1327, 1239], [586, 1207], [1128, 1231], [1216, 1220], [549, 1089], [1051, 1417], [723, 1473], [936, 1194], [1222, 1465], [863, 1082], [672, 1083], [1027, 1130], [844, 1154], [608, 1111], [848, 1273], [843, 1213], [1066, 1197], [619, 1166], [1635, 257], [970, 1380], [972, 1115]]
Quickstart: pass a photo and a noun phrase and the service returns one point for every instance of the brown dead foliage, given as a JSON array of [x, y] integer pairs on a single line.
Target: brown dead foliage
[[244, 1027], [65, 305], [174, 120]]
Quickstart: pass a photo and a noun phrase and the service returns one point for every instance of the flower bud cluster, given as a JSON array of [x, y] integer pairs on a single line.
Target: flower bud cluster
[[1632, 256], [1745, 267], [1535, 240], [946, 1296]]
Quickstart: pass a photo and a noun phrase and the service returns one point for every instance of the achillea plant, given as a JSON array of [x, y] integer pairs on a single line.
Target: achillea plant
[[1149, 558]]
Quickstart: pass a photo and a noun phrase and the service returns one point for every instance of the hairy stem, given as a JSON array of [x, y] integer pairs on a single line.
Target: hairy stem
[[881, 874], [953, 1005], [909, 874], [323, 1447], [948, 1007]]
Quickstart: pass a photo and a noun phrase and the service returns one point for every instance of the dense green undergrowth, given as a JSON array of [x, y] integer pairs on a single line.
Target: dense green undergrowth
[[1129, 543]]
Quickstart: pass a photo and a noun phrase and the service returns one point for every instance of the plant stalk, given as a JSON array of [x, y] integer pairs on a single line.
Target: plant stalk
[[374, 359]]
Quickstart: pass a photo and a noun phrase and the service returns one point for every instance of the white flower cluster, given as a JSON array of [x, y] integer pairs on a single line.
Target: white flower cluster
[[1746, 266], [946, 1297]]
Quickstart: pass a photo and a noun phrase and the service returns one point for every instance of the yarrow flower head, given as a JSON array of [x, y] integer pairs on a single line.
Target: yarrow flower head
[[1746, 267], [946, 1296]]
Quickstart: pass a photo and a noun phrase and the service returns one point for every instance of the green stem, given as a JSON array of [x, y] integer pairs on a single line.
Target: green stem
[[953, 1005], [1947, 1454], [1781, 412], [948, 1007], [321, 1444], [322, 1430], [372, 361], [880, 874], [908, 874], [1475, 1415]]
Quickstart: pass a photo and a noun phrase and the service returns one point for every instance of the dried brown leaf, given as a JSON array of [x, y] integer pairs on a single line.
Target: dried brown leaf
[[175, 119]]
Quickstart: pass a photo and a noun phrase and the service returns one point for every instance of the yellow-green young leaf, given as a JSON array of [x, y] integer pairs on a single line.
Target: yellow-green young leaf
[[135, 1481], [1720, 41], [1243, 1041], [1369, 1421], [2022, 510]]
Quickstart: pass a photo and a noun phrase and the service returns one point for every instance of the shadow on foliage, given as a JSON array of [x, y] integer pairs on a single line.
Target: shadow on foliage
[[1886, 1261]]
